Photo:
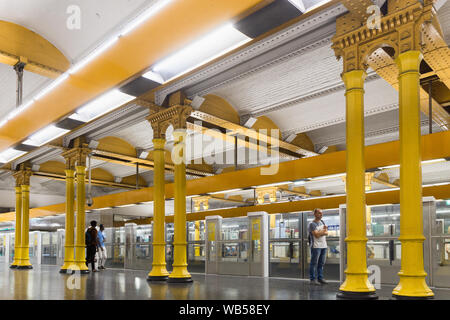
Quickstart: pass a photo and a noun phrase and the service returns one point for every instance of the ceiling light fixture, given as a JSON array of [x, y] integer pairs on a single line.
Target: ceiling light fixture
[[153, 76], [10, 154], [101, 105], [298, 4], [211, 46], [45, 135], [318, 4]]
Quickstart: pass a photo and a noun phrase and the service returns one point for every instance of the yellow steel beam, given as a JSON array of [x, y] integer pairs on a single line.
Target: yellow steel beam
[[95, 182], [434, 146], [122, 159], [116, 65], [234, 128]]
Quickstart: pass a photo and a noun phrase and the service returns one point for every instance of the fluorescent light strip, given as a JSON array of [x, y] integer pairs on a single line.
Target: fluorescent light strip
[[10, 154], [273, 184], [331, 176], [126, 205], [144, 16], [52, 85], [153, 76], [434, 161], [103, 104], [187, 59], [298, 4], [225, 191], [321, 3], [101, 209], [45, 135], [99, 50], [390, 167]]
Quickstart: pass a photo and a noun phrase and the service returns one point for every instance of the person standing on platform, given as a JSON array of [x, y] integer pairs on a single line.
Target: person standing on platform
[[101, 248], [318, 242], [91, 245]]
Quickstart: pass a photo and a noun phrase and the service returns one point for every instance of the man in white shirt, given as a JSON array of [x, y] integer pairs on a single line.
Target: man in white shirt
[[318, 242]]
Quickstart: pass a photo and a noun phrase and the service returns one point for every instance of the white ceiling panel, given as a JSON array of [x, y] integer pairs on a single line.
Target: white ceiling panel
[[284, 81]]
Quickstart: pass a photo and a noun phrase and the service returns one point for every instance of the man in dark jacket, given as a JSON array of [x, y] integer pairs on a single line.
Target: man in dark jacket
[[91, 245]]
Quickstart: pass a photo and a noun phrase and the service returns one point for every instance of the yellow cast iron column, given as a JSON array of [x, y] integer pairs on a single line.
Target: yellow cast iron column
[[80, 256], [159, 271], [412, 274], [69, 234], [180, 272], [25, 239], [356, 284], [18, 231]]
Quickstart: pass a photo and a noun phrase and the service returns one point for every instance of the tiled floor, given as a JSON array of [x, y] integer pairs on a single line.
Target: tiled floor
[[45, 283]]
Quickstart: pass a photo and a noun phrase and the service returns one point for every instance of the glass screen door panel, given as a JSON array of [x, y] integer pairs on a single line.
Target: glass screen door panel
[[285, 248], [440, 245]]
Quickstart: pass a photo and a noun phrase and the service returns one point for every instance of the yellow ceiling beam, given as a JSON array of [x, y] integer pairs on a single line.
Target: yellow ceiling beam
[[129, 55], [18, 43], [434, 146], [374, 198]]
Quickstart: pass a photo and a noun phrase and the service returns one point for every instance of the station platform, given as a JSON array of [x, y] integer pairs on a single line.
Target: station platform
[[45, 283]]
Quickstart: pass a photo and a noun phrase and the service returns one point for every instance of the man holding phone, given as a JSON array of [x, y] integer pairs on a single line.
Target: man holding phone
[[318, 242]]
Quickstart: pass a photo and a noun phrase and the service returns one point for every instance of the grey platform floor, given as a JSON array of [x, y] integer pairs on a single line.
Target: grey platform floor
[[45, 283]]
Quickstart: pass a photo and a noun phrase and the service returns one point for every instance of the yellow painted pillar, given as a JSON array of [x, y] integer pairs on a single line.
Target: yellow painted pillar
[[18, 231], [25, 237], [412, 274], [159, 271], [80, 255], [356, 284], [69, 232], [180, 272]]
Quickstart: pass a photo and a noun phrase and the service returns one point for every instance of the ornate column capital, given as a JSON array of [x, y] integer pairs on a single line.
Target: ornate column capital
[[400, 30], [23, 175], [76, 156], [176, 116]]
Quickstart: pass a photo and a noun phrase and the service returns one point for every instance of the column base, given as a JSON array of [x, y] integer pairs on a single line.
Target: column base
[[157, 278], [66, 266], [25, 267], [348, 295], [158, 272], [412, 287], [13, 266], [180, 280], [397, 297]]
